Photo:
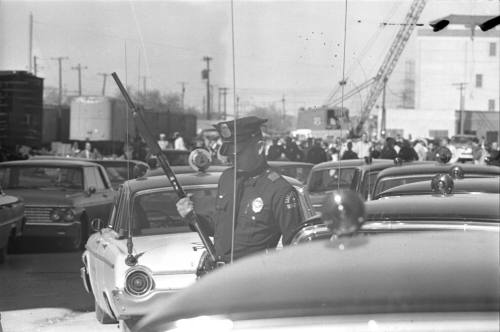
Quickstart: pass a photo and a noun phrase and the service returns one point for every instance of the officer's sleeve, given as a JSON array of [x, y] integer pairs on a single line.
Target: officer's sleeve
[[287, 213]]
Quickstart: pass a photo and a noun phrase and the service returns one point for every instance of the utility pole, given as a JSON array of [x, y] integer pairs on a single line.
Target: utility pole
[[183, 93], [461, 87], [207, 59], [144, 78], [224, 93], [218, 103], [237, 104], [59, 60], [383, 120], [35, 65], [79, 68], [104, 76], [283, 114], [30, 45]]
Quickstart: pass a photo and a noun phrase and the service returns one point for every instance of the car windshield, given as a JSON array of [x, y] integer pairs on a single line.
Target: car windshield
[[332, 179], [42, 177], [155, 213], [388, 183]]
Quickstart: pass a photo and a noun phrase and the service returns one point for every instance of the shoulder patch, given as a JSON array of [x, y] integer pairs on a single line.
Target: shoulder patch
[[273, 176]]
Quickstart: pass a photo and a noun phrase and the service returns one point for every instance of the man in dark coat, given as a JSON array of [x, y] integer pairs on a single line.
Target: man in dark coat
[[316, 153], [267, 206]]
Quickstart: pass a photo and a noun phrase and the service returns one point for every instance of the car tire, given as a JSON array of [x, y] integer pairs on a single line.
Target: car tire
[[102, 317]]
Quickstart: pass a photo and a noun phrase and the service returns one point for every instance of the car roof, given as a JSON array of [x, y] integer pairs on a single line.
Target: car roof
[[161, 181], [468, 185], [376, 164], [48, 162], [119, 162], [435, 168], [182, 169], [382, 273], [455, 207], [185, 179], [275, 163], [221, 168]]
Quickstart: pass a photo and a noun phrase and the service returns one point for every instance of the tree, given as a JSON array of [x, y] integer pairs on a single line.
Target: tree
[[276, 124]]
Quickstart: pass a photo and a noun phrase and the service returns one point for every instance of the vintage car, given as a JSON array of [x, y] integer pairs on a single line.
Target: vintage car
[[168, 251], [358, 175], [461, 186], [446, 207], [351, 281], [294, 169], [122, 170], [11, 221], [61, 196], [463, 146], [118, 170], [410, 173]]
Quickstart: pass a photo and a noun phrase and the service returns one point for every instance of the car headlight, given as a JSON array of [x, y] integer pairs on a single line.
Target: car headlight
[[138, 282], [55, 215], [69, 215], [62, 215]]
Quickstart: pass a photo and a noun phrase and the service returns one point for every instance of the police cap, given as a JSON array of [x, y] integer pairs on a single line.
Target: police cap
[[247, 130]]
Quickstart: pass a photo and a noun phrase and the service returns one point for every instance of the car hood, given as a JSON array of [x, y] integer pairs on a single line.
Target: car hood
[[45, 197], [170, 253]]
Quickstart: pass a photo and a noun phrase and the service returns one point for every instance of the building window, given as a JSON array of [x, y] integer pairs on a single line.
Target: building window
[[479, 80], [491, 104], [493, 49]]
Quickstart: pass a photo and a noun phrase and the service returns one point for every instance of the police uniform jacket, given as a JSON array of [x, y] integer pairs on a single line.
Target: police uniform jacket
[[267, 208]]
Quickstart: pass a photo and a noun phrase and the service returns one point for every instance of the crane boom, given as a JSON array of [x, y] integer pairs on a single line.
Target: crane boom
[[390, 60]]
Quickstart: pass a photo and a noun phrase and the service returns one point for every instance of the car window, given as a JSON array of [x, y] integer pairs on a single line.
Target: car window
[[100, 182], [369, 183], [156, 212], [333, 178], [122, 212], [389, 183], [42, 177], [298, 172]]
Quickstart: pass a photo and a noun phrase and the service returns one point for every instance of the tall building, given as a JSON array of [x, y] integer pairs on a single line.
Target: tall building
[[461, 56]]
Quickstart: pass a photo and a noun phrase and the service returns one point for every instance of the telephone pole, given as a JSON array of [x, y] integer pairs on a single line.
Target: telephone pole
[[30, 45], [283, 107], [224, 93], [144, 78], [35, 65], [79, 69], [207, 59], [59, 60], [218, 104], [183, 93], [461, 87], [104, 76], [383, 120]]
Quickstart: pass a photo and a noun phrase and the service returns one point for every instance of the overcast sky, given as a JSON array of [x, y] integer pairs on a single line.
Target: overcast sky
[[291, 48]]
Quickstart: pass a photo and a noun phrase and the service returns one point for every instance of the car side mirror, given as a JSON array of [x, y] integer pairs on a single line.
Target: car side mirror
[[91, 191], [97, 224]]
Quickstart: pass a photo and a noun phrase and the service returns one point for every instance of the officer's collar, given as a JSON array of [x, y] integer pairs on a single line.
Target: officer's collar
[[256, 171]]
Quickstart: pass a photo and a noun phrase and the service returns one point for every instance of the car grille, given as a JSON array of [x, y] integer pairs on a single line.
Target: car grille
[[37, 214]]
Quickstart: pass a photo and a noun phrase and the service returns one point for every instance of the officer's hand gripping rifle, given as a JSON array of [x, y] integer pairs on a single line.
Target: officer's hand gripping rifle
[[191, 218]]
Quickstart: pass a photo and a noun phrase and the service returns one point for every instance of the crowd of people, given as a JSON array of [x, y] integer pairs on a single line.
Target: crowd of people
[[287, 148], [317, 150]]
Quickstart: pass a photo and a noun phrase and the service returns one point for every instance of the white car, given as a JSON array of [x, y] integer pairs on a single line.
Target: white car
[[166, 249]]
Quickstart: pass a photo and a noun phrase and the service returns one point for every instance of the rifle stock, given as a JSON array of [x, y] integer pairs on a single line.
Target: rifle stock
[[191, 218]]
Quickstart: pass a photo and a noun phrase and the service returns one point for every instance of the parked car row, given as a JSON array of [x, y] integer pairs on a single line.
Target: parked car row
[[150, 295]]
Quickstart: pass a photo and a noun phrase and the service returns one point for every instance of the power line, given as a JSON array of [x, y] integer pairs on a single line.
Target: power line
[[59, 61]]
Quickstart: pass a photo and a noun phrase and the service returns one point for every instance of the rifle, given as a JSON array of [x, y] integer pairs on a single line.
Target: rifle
[[191, 218]]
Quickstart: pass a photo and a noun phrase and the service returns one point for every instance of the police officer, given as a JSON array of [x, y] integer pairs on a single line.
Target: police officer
[[267, 206]]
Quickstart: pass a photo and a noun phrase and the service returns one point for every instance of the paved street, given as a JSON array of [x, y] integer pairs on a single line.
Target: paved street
[[40, 290]]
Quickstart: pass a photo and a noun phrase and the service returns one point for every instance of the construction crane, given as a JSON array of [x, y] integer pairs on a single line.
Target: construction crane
[[390, 61], [379, 81]]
